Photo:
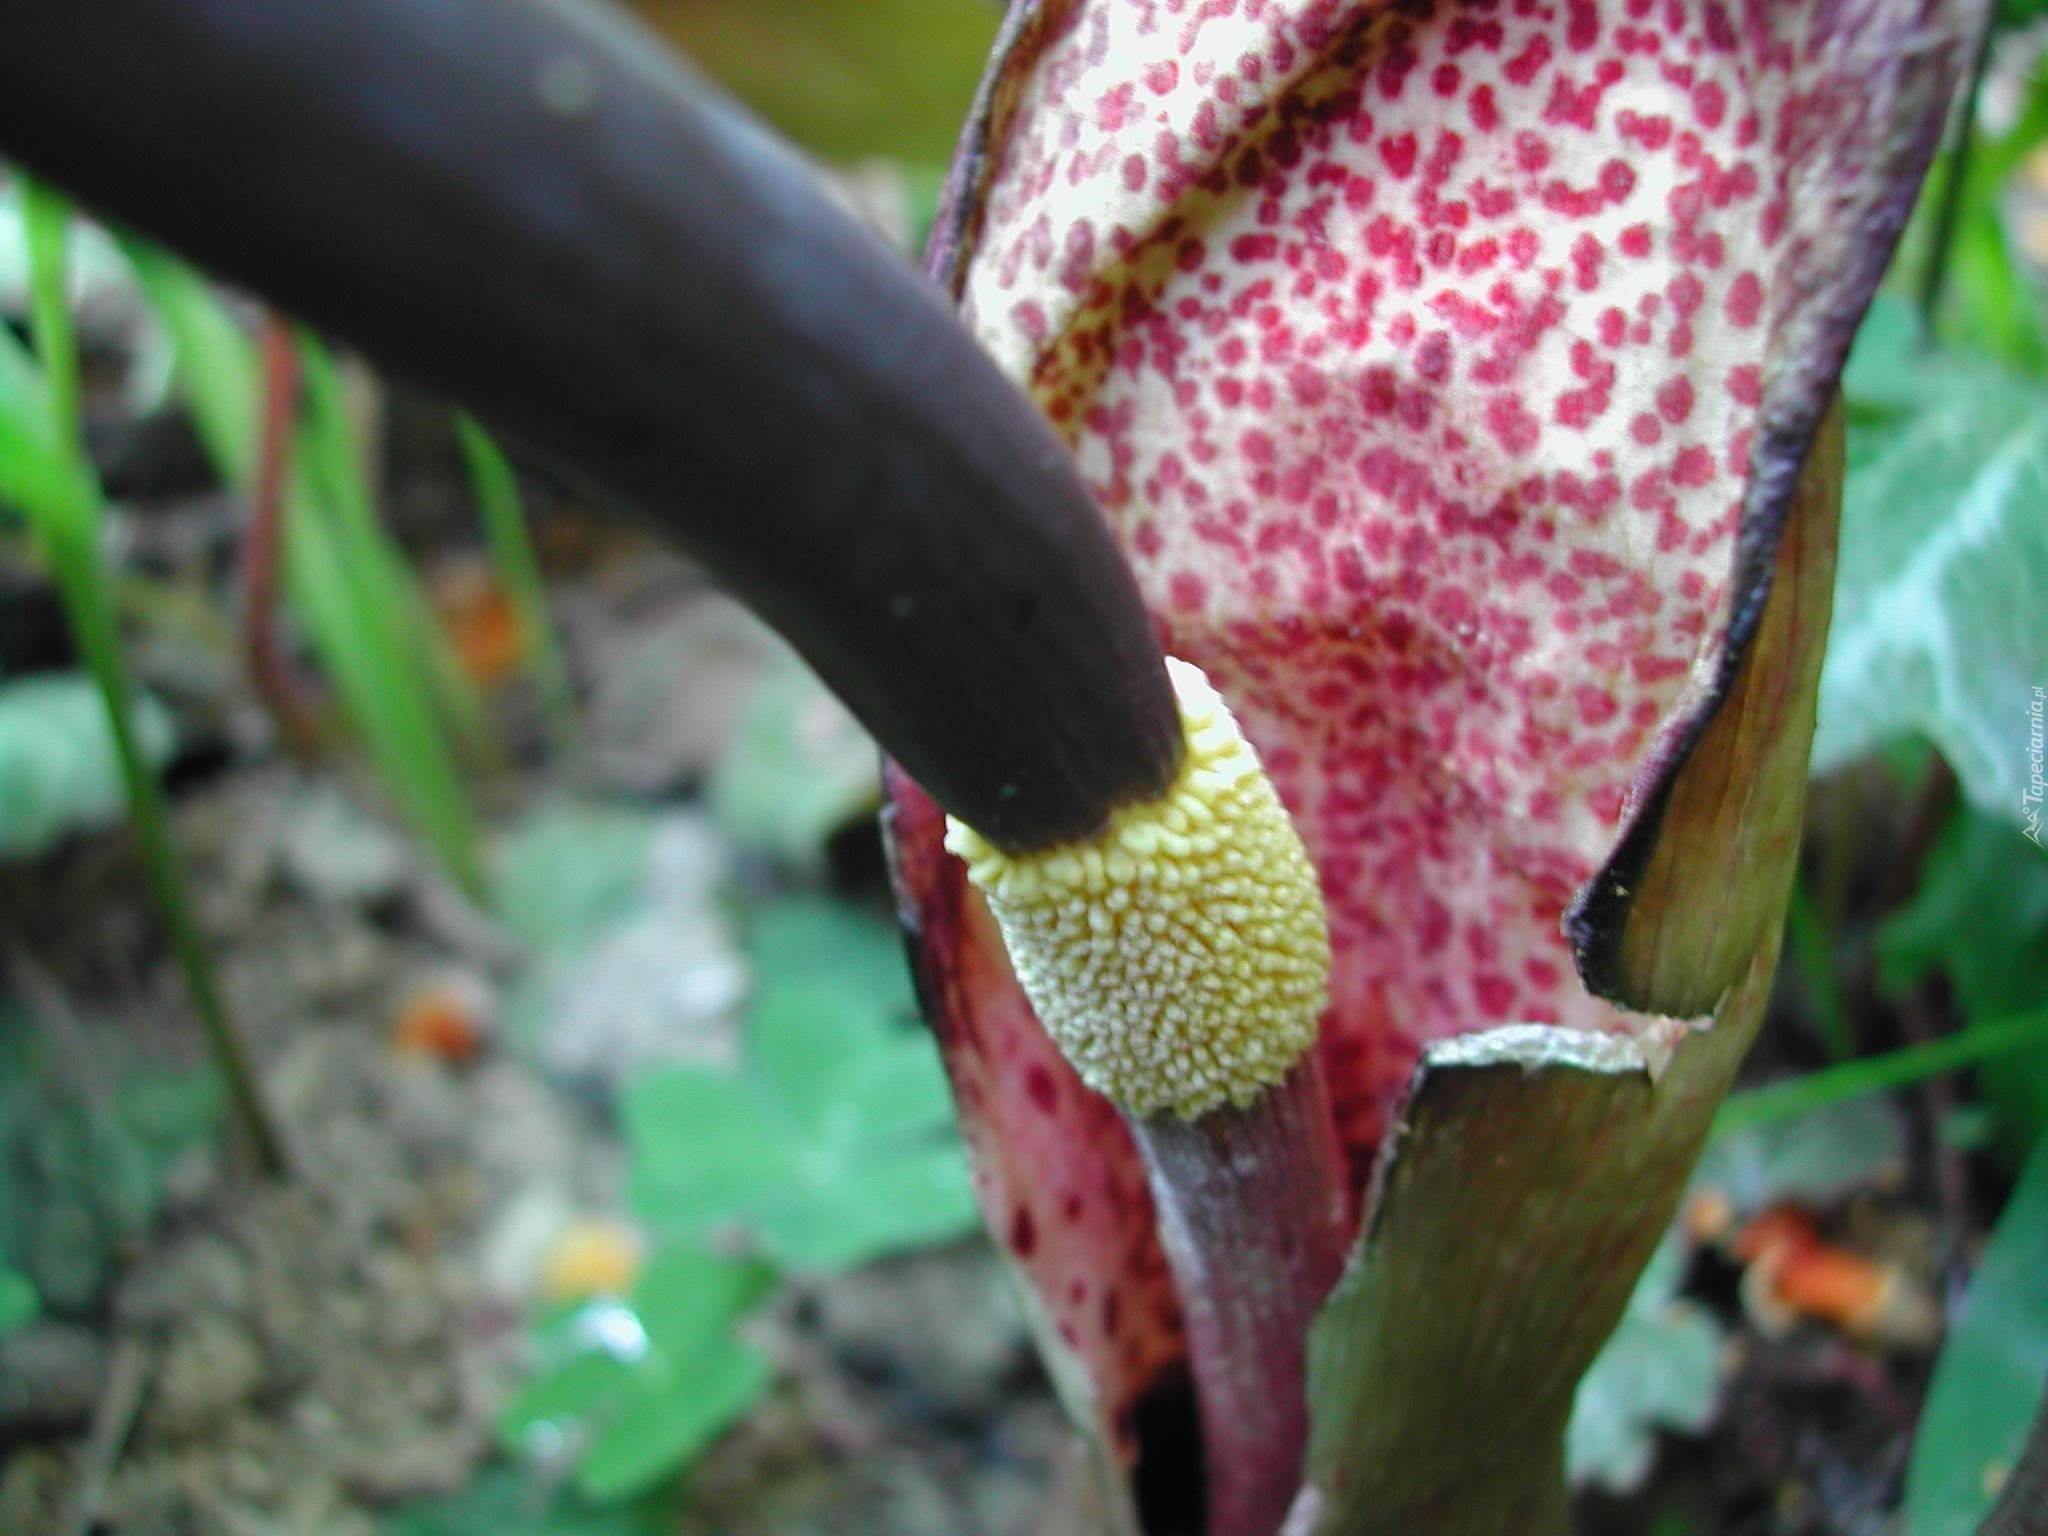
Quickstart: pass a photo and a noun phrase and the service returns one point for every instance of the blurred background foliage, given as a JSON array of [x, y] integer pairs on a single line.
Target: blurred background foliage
[[887, 79], [622, 1189]]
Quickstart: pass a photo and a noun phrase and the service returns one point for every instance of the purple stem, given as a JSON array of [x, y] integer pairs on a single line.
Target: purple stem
[[1254, 1218]]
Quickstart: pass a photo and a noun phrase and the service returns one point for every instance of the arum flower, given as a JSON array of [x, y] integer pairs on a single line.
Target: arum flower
[[1455, 378], [1451, 383]]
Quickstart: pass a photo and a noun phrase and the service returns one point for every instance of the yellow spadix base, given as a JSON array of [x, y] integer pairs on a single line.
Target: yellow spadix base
[[1181, 956]]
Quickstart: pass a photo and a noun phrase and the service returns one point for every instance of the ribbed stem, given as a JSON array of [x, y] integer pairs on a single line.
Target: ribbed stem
[[270, 668], [523, 205], [1253, 1217]]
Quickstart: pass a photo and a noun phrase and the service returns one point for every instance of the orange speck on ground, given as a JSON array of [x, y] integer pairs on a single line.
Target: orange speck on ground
[[441, 1019], [1795, 1274], [482, 624]]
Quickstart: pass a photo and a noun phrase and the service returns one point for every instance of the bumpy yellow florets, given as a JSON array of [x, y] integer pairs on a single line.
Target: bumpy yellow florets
[[1181, 956]]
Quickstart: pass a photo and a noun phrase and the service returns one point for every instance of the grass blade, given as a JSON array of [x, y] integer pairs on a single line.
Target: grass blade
[[216, 366], [381, 575], [1877, 1074], [496, 487], [46, 224], [63, 503], [1812, 954]]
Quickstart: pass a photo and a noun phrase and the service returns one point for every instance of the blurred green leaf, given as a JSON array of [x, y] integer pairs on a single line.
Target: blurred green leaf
[[18, 1300], [1987, 1383], [60, 770], [686, 1295], [1890, 368], [1980, 917], [712, 1151], [1793, 1097], [46, 224], [635, 1390], [1810, 955], [799, 768], [1661, 1369], [35, 469], [575, 1387], [846, 79], [833, 1145], [81, 1173], [216, 365], [814, 941], [1811, 1159], [169, 1111], [570, 870], [668, 1421], [1988, 306], [1941, 599]]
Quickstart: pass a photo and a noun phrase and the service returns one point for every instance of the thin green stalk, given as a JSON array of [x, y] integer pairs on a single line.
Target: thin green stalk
[[1813, 955], [1877, 1074], [379, 571], [67, 521], [496, 488], [46, 223], [1948, 211], [373, 669], [383, 645]]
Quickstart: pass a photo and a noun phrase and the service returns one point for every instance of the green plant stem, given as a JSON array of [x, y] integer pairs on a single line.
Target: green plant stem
[[366, 651], [1257, 1191], [497, 495], [377, 570], [1806, 937], [1896, 1069], [68, 525], [1948, 212], [46, 218]]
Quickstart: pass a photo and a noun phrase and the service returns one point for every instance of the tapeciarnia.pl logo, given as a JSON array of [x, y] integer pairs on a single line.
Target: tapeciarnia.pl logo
[[2037, 733]]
